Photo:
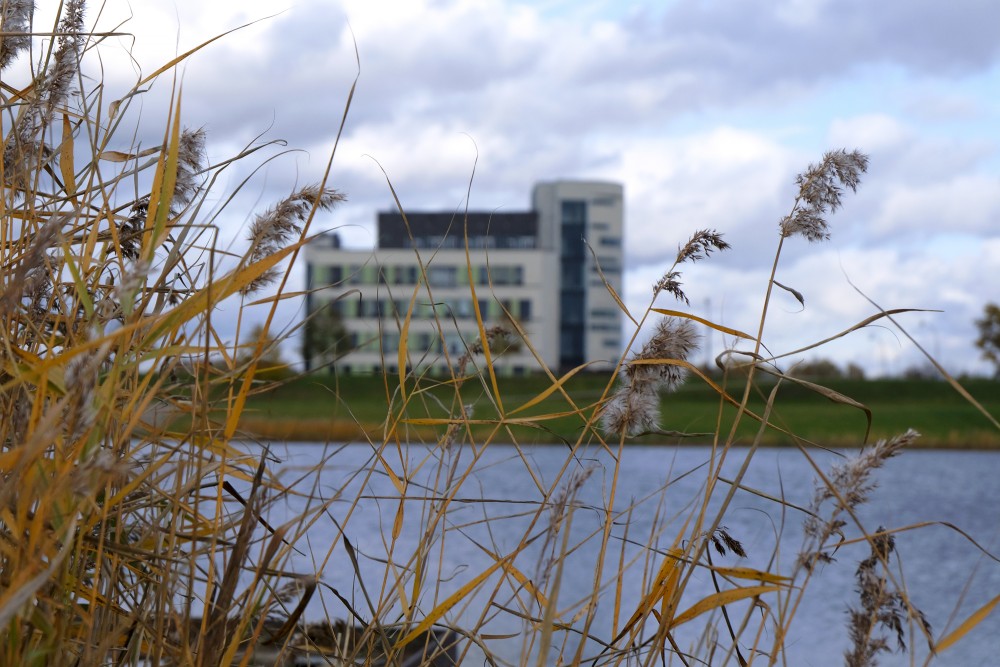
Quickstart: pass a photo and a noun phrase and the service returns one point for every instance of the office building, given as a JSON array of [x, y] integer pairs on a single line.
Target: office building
[[544, 268]]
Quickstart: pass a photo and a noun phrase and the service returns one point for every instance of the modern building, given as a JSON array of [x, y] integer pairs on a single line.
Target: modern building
[[548, 269]]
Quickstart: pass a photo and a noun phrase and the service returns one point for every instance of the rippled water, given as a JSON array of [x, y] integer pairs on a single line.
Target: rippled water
[[947, 576]]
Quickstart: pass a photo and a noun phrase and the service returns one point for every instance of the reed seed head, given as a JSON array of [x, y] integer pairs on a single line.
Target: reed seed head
[[820, 189], [724, 543], [849, 486], [58, 81], [15, 21], [190, 162], [880, 605], [31, 277], [698, 247], [635, 406], [275, 228], [673, 339]]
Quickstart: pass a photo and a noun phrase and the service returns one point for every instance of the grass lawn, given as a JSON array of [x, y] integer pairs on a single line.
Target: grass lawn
[[351, 407]]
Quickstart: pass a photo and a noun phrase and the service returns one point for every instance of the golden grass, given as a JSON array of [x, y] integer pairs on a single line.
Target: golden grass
[[134, 528]]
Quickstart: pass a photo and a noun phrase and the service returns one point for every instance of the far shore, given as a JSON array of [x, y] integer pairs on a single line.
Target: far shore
[[349, 409]]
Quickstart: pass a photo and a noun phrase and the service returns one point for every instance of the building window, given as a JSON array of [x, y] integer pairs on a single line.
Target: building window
[[334, 274], [355, 276], [574, 212], [611, 241], [442, 276], [525, 307]]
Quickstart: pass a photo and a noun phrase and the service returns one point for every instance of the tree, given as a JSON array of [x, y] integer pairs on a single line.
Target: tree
[[270, 365], [325, 338], [817, 369], [989, 336]]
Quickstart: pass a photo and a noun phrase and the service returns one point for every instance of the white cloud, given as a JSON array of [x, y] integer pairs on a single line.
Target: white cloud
[[725, 179], [964, 203], [689, 105]]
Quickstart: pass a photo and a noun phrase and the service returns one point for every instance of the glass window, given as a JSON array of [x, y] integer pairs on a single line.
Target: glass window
[[574, 212], [442, 276]]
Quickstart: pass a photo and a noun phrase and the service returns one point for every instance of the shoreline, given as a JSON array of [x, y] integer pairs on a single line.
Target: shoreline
[[309, 431]]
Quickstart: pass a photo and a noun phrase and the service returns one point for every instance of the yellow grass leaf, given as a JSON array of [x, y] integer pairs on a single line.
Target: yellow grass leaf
[[189, 52], [608, 286], [701, 320], [203, 300], [119, 156], [66, 157], [716, 600], [397, 525], [168, 180], [663, 589], [403, 342], [968, 624], [512, 570], [548, 391], [752, 574], [452, 600]]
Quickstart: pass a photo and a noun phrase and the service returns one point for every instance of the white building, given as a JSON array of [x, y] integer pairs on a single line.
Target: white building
[[538, 267]]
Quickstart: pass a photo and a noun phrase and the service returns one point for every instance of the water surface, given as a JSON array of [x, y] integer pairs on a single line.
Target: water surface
[[495, 506]]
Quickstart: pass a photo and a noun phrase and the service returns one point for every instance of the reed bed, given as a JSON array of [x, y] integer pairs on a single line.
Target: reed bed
[[136, 529]]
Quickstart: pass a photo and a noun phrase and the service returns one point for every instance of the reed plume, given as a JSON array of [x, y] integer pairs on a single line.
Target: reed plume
[[820, 189], [880, 605], [190, 163], [699, 246], [15, 21], [25, 150], [635, 406], [275, 228], [850, 484]]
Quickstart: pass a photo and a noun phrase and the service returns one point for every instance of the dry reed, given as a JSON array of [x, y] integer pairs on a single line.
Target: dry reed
[[134, 528]]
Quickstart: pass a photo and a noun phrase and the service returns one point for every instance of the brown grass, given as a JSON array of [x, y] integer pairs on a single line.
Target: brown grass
[[134, 527]]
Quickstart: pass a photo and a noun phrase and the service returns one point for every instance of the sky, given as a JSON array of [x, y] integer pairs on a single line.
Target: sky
[[704, 110]]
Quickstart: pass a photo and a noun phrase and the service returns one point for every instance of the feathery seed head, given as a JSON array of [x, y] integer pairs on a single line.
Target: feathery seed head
[[699, 246], [31, 277], [820, 189], [673, 338], [632, 411], [881, 605], [275, 228], [15, 17], [66, 60], [190, 162], [849, 486], [635, 406], [669, 283]]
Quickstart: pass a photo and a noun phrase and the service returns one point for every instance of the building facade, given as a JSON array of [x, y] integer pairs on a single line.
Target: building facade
[[547, 269]]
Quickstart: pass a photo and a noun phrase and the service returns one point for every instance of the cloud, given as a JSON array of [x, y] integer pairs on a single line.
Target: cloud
[[761, 42], [705, 111]]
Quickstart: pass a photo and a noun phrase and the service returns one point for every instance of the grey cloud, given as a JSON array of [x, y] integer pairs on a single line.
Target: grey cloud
[[761, 41]]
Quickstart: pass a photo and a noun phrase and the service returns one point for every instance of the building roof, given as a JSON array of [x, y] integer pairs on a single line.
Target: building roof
[[485, 229]]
